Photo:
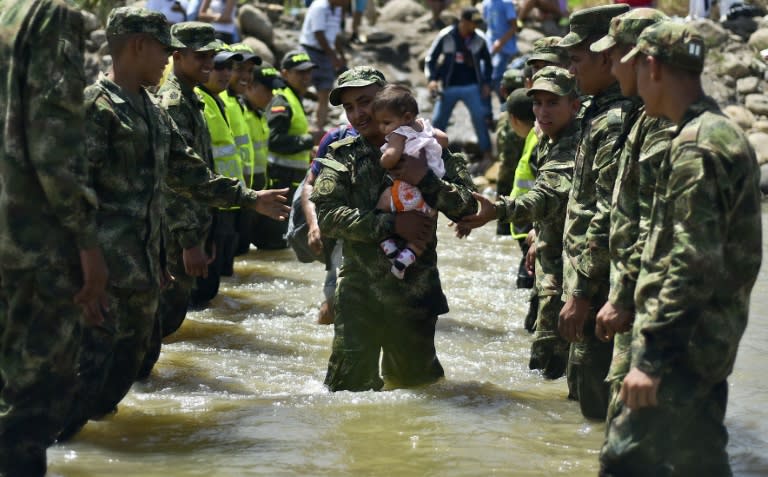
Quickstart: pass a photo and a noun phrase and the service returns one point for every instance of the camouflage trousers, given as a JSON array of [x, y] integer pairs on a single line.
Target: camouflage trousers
[[549, 352], [40, 329], [112, 354], [588, 363], [171, 309], [683, 436], [620, 364], [363, 327]]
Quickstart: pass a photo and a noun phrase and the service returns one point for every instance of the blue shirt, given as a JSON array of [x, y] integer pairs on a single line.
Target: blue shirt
[[498, 15]]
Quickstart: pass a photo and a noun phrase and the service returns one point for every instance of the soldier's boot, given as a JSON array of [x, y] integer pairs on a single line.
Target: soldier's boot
[[533, 311], [549, 353], [22, 461]]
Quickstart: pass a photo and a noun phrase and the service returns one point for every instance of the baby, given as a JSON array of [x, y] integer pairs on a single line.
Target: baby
[[396, 111]]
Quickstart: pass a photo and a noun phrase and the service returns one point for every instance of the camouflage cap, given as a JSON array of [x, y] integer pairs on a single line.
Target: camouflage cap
[[268, 75], [513, 79], [356, 77], [553, 79], [197, 36], [297, 59], [626, 28], [129, 20], [673, 43], [591, 22], [547, 49], [247, 52]]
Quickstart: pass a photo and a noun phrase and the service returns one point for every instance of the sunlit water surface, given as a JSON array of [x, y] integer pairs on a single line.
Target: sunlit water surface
[[238, 390]]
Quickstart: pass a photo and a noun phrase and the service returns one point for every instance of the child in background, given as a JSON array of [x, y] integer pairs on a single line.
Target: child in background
[[396, 111]]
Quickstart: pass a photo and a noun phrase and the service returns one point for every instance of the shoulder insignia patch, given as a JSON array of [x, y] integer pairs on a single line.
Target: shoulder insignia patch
[[325, 185]]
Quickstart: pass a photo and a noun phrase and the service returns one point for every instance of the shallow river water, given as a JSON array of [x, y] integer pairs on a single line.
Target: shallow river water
[[238, 390]]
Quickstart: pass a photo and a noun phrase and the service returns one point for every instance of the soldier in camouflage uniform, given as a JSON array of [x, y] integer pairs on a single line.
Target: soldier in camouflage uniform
[[701, 258], [374, 309], [544, 205], [641, 147], [187, 222], [509, 144], [585, 242], [135, 151], [48, 246]]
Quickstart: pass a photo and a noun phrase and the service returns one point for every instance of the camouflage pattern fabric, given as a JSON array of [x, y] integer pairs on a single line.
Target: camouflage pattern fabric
[[46, 215], [586, 268], [346, 193], [698, 267], [510, 146]]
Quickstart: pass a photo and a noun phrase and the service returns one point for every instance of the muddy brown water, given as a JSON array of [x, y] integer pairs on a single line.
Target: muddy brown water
[[238, 390]]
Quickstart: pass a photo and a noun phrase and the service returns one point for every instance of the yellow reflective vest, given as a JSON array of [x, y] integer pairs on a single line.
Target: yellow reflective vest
[[226, 157], [299, 127], [259, 129], [524, 178], [241, 133]]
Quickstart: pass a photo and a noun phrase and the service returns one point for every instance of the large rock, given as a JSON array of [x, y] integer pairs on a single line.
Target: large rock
[[90, 22], [734, 66], [401, 11], [254, 22], [759, 39], [759, 141], [760, 126], [747, 85], [529, 35], [261, 49], [713, 34], [740, 115], [757, 103], [764, 178]]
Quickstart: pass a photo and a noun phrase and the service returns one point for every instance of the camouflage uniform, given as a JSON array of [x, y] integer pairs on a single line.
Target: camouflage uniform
[[544, 205], [136, 152], [46, 215], [701, 259], [374, 309], [509, 144], [641, 151], [586, 267], [187, 222]]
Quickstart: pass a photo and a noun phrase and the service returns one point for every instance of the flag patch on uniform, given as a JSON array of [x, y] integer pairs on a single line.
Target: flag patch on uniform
[[277, 109]]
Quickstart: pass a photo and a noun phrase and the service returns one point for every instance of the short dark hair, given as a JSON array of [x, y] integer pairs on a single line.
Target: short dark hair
[[397, 99], [520, 106]]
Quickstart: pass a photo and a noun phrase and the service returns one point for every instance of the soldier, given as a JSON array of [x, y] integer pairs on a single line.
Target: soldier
[[509, 144], [374, 309], [555, 104], [641, 146], [585, 242], [700, 261], [546, 52], [188, 222], [48, 245], [135, 151]]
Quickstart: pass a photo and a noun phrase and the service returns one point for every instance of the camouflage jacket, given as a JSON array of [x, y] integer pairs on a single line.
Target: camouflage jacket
[[188, 221], [346, 193], [46, 211], [132, 157], [545, 206], [703, 251], [642, 152], [585, 241], [510, 147]]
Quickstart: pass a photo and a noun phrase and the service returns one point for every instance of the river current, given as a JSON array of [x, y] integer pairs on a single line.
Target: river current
[[238, 389]]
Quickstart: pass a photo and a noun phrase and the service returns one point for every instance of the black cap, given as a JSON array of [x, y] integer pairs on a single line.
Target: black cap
[[297, 59], [268, 75], [471, 14]]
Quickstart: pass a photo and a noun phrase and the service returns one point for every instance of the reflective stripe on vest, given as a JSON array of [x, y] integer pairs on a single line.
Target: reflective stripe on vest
[[524, 178], [241, 133], [257, 125], [226, 157], [299, 127]]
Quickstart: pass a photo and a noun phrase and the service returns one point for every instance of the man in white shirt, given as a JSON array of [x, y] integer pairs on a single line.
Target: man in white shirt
[[321, 40]]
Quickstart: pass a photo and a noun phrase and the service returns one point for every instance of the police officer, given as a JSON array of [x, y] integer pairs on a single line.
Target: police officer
[[48, 247], [698, 267], [290, 142]]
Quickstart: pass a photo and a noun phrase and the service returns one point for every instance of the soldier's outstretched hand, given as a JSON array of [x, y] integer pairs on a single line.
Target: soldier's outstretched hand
[[272, 203], [485, 213], [93, 296]]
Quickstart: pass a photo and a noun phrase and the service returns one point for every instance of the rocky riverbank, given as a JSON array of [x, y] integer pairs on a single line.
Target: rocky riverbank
[[735, 73]]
